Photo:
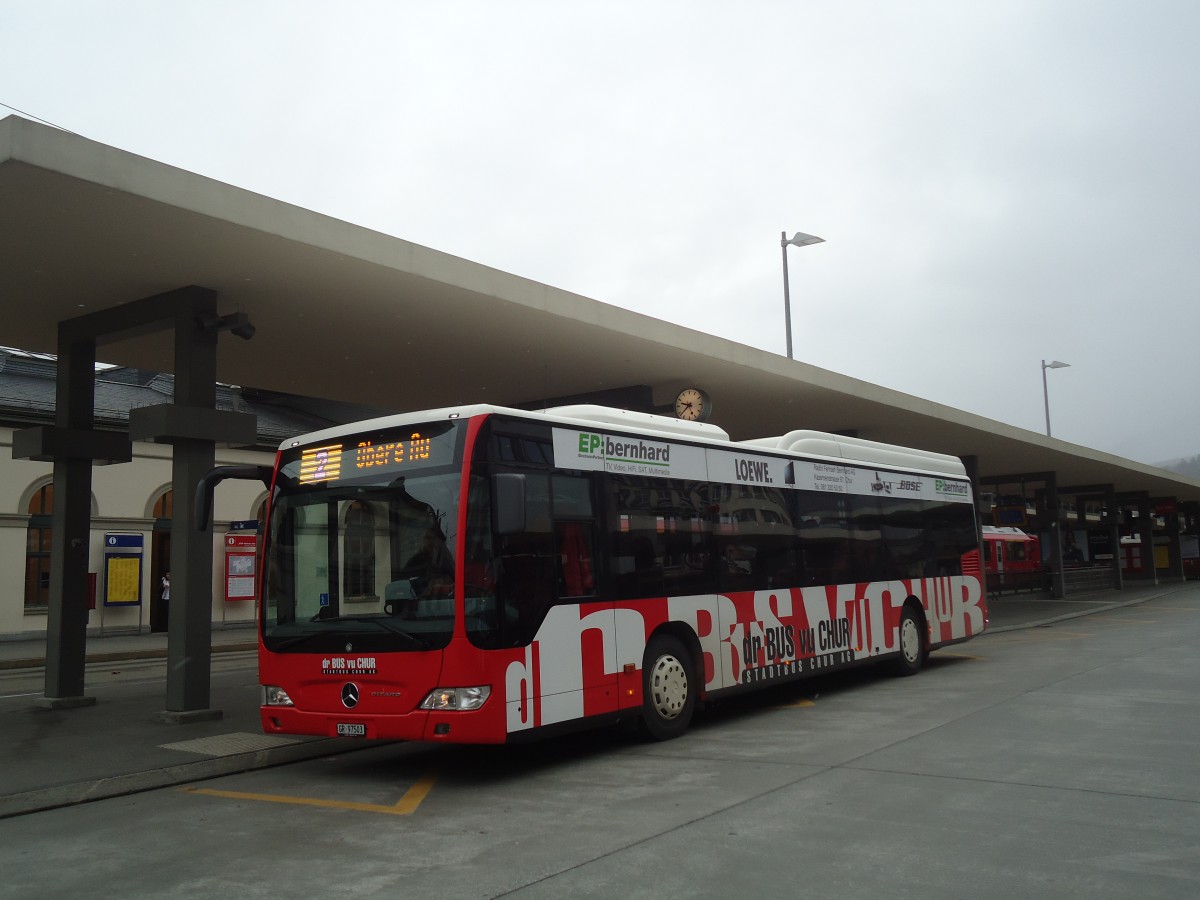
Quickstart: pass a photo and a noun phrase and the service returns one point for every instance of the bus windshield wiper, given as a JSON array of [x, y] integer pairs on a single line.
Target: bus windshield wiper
[[284, 643], [384, 624]]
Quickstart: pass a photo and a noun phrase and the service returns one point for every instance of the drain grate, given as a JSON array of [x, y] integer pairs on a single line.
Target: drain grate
[[229, 744]]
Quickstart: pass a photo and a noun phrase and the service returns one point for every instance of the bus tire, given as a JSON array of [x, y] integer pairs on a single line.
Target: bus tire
[[913, 651], [668, 690]]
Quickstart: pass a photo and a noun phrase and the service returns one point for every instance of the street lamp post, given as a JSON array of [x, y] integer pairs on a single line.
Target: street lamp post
[[799, 239], [1045, 391]]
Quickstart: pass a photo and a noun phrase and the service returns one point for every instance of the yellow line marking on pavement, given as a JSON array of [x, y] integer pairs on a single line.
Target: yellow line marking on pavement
[[406, 806], [1041, 637], [941, 654], [1074, 633], [1135, 621], [413, 796], [795, 703]]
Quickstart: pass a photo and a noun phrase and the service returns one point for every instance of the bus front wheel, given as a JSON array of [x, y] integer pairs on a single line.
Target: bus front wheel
[[668, 693]]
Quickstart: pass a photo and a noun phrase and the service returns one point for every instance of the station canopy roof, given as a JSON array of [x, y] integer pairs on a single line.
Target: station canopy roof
[[348, 314]]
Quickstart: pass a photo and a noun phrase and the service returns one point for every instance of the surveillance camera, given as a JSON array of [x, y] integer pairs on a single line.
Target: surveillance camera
[[238, 323]]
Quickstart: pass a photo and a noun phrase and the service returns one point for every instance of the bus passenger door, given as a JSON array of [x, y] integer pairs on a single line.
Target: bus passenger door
[[597, 642], [571, 636]]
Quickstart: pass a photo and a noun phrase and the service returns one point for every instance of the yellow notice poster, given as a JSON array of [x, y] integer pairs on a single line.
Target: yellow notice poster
[[122, 579]]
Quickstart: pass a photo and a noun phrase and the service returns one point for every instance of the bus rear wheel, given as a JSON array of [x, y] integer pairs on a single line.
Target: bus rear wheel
[[912, 644], [668, 694]]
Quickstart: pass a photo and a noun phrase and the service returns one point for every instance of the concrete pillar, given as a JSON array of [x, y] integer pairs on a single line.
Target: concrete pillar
[[71, 532], [1191, 512], [1080, 524], [1146, 531], [73, 448], [1054, 528], [1174, 543], [1114, 534], [193, 427], [189, 628]]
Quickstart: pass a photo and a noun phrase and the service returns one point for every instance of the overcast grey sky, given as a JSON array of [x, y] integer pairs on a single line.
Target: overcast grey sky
[[998, 183]]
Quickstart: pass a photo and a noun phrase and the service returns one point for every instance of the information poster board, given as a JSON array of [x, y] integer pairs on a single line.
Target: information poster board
[[241, 558], [123, 555]]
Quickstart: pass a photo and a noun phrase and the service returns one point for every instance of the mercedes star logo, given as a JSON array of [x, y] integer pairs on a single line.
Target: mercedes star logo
[[350, 695]]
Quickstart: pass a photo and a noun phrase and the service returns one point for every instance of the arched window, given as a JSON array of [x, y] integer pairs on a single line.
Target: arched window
[[37, 550], [163, 507], [359, 580]]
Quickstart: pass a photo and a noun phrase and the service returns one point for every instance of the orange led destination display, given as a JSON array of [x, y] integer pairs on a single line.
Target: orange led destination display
[[394, 453], [368, 455]]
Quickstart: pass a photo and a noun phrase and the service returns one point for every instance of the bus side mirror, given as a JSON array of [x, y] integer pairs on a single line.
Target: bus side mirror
[[508, 503], [208, 484]]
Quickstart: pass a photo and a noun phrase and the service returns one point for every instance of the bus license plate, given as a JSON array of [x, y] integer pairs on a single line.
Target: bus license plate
[[349, 730]]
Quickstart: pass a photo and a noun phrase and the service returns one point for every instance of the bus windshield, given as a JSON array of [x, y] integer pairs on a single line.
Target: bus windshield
[[360, 545]]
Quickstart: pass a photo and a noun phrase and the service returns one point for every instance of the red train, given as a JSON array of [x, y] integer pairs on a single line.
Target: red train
[[1012, 560]]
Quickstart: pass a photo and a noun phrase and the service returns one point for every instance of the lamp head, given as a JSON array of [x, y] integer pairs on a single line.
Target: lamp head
[[800, 239]]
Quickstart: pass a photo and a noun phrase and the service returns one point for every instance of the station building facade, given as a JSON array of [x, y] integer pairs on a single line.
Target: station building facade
[[131, 504]]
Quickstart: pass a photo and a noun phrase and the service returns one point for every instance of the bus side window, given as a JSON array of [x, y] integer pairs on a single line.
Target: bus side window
[[756, 539], [525, 581], [576, 574], [636, 560], [574, 535], [824, 537], [659, 537]]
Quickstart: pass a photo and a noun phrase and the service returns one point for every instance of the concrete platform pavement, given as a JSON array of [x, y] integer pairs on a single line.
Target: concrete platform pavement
[[119, 745]]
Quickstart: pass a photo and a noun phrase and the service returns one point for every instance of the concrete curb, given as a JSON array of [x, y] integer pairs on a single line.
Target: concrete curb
[[39, 662], [1077, 614], [105, 788]]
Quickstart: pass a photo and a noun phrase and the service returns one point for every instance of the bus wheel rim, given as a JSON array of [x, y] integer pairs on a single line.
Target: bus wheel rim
[[910, 640], [668, 686]]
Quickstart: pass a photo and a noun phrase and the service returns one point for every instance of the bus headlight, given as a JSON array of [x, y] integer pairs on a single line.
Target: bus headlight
[[274, 696], [460, 699]]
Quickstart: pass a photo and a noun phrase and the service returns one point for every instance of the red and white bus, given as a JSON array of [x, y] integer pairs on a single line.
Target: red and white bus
[[484, 575]]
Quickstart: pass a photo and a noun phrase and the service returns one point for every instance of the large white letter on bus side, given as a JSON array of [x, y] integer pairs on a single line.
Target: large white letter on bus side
[[624, 638], [773, 608], [893, 593], [815, 601], [939, 603], [966, 616], [705, 613], [518, 692], [560, 674]]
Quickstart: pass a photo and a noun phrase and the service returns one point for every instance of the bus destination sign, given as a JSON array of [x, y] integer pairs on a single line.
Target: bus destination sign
[[373, 454]]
